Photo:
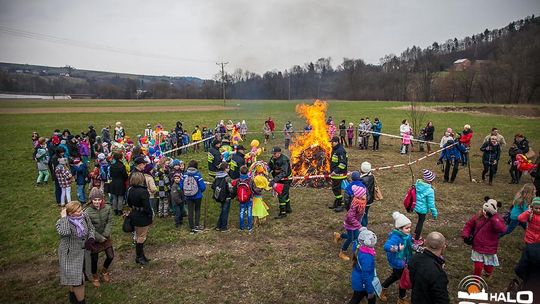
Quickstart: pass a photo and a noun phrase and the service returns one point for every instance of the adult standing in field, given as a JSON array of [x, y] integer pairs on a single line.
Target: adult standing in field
[[490, 158], [368, 179], [500, 138], [214, 157], [271, 125], [117, 189], [376, 127], [280, 168], [427, 274], [367, 127], [288, 132], [138, 198], [243, 130], [179, 130], [429, 130], [342, 133], [76, 240], [404, 131], [338, 172], [92, 138], [106, 134], [520, 146]]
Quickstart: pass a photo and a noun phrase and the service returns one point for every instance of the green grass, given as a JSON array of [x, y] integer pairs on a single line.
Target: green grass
[[285, 261]]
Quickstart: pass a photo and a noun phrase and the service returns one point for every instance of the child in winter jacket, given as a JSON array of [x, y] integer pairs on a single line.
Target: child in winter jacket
[[363, 273], [193, 186], [64, 178], [425, 201], [485, 228], [356, 180], [532, 218], [452, 157], [42, 160], [521, 203], [162, 183], [465, 140], [177, 199], [398, 249], [350, 134], [80, 172], [244, 192], [223, 193], [351, 222]]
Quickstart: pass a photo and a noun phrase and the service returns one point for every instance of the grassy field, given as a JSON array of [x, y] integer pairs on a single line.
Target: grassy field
[[287, 261]]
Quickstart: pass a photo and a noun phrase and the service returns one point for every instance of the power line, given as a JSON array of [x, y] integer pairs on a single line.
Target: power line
[[90, 45]]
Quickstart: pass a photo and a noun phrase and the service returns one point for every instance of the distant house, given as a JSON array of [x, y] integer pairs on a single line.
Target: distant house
[[462, 64]]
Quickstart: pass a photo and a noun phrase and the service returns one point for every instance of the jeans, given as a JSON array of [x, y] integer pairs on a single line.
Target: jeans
[[512, 225], [350, 236], [194, 213], [492, 169], [80, 193], [57, 191], [224, 215], [246, 208], [117, 201], [178, 214], [375, 143], [364, 221]]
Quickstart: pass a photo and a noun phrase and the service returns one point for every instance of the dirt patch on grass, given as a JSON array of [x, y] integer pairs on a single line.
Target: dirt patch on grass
[[112, 109], [520, 111]]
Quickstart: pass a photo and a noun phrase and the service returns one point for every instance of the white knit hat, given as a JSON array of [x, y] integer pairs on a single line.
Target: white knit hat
[[490, 206], [400, 220], [365, 167], [367, 237]]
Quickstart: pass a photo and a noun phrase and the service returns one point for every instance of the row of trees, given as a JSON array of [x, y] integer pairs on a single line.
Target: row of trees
[[505, 69]]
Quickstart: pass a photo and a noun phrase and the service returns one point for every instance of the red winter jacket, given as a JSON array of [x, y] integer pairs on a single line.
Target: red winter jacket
[[486, 233], [532, 233], [465, 138]]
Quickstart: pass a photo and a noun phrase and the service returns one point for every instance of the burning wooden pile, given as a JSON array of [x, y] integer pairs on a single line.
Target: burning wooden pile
[[310, 152]]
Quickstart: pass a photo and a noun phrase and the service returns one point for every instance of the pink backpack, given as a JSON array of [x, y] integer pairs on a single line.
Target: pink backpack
[[410, 199]]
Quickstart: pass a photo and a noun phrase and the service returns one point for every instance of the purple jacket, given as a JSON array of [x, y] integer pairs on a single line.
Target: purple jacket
[[486, 233], [84, 149], [353, 217]]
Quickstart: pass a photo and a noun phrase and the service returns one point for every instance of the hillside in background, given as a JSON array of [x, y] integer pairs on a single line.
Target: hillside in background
[[493, 66]]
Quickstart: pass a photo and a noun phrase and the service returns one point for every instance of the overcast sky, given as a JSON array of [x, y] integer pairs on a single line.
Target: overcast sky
[[188, 37]]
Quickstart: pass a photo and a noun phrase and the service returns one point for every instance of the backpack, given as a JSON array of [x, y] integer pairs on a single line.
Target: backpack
[[104, 172], [221, 189], [190, 186], [243, 191], [410, 199]]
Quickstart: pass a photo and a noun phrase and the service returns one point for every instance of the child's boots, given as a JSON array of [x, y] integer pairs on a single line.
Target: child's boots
[[343, 256], [95, 280], [403, 301], [337, 237], [382, 296]]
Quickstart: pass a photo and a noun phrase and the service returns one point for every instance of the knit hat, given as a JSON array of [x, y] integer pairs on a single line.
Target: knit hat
[[367, 237], [101, 156], [96, 193], [175, 162], [358, 191], [429, 176], [62, 161], [490, 206], [365, 167], [536, 201], [140, 160], [449, 130], [467, 126], [400, 220], [355, 176]]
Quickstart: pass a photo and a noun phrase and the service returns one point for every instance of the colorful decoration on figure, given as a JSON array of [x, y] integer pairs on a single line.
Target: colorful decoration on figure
[[258, 168], [523, 164], [235, 136], [255, 151]]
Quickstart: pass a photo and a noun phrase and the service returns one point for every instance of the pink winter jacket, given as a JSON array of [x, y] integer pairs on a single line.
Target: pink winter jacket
[[353, 217], [486, 233], [532, 233]]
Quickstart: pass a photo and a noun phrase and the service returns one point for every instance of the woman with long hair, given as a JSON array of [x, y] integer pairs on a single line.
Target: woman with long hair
[[522, 201]]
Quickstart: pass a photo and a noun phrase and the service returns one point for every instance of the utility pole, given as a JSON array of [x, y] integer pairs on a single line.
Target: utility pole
[[223, 78]]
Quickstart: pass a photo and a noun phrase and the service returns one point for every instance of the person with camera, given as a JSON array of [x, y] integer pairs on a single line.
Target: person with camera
[[482, 232]]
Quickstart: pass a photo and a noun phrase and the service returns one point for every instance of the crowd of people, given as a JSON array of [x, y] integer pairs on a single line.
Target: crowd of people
[[144, 179]]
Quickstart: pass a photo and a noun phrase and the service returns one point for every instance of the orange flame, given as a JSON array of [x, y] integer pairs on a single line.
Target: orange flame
[[311, 151]]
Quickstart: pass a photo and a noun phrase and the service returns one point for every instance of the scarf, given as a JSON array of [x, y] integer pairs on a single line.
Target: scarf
[[368, 250], [77, 221], [405, 254]]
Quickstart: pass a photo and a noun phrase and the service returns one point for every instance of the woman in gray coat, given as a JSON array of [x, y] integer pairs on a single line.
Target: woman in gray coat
[[76, 239]]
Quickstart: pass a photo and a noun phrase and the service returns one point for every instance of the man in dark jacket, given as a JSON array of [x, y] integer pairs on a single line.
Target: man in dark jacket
[[426, 269], [237, 161], [280, 167], [214, 157], [338, 172], [92, 138], [528, 268]]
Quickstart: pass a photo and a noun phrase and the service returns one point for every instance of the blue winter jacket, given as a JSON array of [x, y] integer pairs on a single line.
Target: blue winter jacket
[[425, 199], [200, 182], [363, 273], [454, 152], [377, 127], [80, 172], [395, 238], [518, 209]]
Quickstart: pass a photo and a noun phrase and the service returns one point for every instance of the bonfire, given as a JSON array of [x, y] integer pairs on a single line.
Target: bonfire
[[310, 152]]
